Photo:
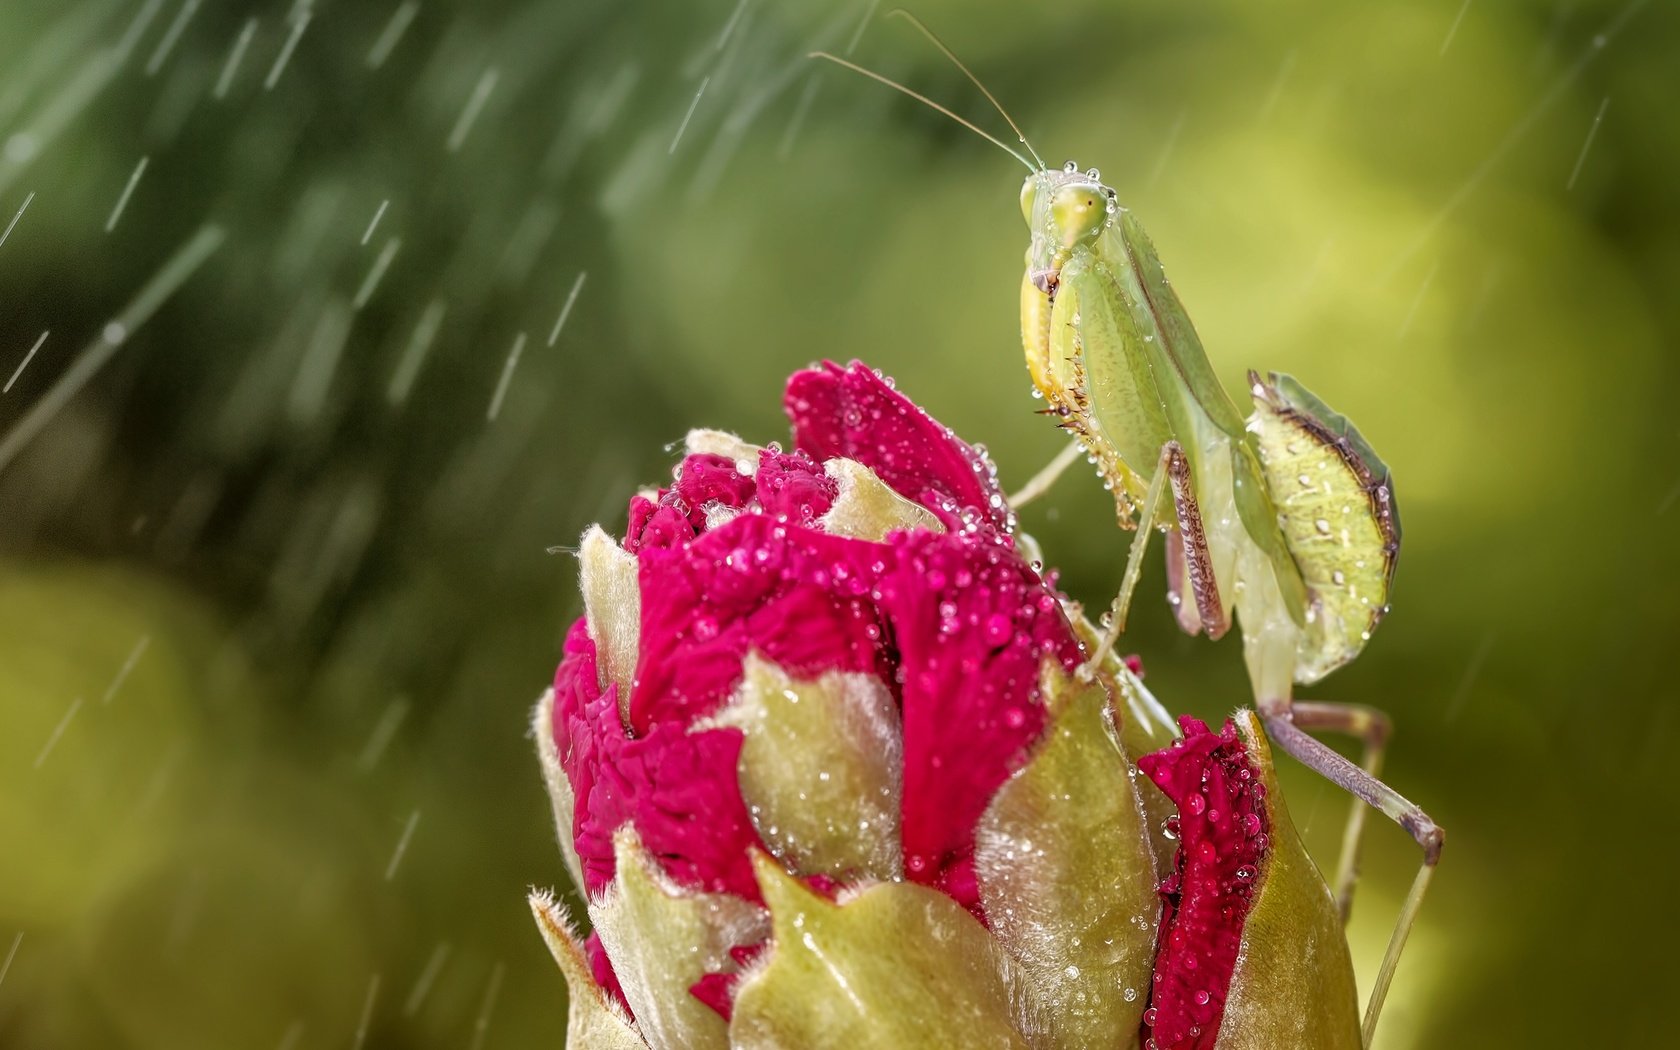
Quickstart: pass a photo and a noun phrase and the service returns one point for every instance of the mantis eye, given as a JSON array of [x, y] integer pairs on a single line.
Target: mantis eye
[[1029, 194], [1079, 211]]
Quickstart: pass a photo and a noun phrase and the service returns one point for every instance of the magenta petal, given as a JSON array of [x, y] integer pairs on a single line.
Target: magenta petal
[[641, 510], [959, 881], [1222, 842], [973, 624], [587, 729], [680, 789], [656, 527], [704, 479], [688, 807], [602, 969], [800, 597], [852, 412], [792, 486], [717, 990]]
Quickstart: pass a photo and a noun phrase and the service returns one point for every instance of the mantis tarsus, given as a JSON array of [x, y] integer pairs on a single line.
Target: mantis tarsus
[[1286, 517]]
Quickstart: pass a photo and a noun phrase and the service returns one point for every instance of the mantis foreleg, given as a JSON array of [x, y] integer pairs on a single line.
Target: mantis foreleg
[[1279, 718], [1192, 531]]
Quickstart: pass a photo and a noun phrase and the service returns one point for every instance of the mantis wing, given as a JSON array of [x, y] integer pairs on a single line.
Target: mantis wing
[[1195, 405]]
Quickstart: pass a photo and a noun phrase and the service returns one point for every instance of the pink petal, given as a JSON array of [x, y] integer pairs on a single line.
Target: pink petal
[[688, 807], [703, 481], [587, 732], [973, 623], [1222, 841], [580, 706], [601, 968], [717, 990], [852, 412], [679, 788], [655, 526], [794, 487], [800, 597], [641, 510], [704, 478]]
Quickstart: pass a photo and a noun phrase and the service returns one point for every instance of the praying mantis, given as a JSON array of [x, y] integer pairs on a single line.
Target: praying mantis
[[1285, 519]]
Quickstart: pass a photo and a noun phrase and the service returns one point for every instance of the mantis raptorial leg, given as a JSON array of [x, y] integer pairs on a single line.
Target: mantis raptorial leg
[[1280, 720]]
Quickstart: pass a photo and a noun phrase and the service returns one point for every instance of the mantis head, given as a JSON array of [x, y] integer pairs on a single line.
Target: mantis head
[[1064, 208]]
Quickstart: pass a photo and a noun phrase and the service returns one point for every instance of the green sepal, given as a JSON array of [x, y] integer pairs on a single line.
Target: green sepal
[[1144, 726], [866, 508], [560, 797], [1067, 874], [1293, 984], [593, 1022], [820, 769], [897, 967], [612, 604], [663, 938], [707, 442]]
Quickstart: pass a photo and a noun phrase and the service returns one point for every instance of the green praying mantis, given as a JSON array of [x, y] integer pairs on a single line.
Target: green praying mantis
[[1285, 519]]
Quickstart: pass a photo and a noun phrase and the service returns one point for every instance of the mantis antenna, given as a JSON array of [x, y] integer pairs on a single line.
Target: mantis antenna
[[930, 103], [933, 38]]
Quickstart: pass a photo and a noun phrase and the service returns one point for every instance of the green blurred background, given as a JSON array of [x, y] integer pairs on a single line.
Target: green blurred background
[[276, 594]]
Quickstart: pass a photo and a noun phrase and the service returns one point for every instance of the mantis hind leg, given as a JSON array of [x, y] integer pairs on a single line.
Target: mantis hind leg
[[1280, 719], [1371, 727], [1040, 483]]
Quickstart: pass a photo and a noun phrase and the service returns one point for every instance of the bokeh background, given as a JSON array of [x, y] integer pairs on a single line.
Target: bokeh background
[[276, 578]]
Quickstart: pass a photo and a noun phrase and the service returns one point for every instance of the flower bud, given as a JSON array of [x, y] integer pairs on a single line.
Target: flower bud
[[830, 774]]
